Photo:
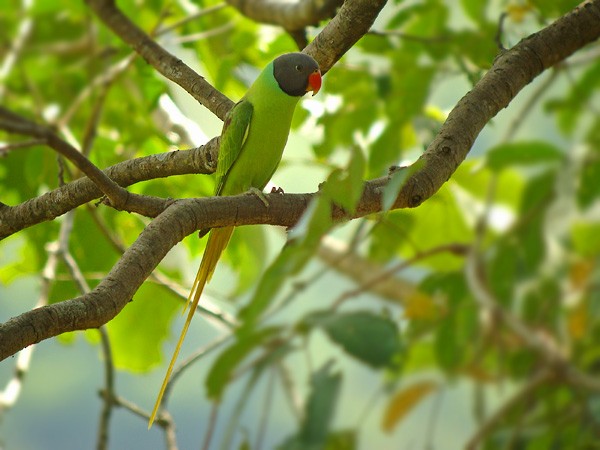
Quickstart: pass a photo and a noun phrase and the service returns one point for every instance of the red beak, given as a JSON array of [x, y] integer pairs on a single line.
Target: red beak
[[314, 82]]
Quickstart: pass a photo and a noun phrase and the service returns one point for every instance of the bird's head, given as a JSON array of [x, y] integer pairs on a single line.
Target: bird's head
[[297, 74]]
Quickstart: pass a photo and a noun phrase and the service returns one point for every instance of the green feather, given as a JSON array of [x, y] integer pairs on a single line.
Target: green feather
[[262, 118]]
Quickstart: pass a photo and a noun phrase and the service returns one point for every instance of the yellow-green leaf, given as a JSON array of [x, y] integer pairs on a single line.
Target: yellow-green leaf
[[404, 401]]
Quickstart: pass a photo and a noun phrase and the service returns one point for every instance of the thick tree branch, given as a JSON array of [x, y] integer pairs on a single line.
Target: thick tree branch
[[201, 160], [167, 64], [291, 16], [353, 21], [512, 71], [137, 263]]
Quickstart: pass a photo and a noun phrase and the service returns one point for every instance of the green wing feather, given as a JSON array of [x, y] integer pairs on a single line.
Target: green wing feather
[[233, 136]]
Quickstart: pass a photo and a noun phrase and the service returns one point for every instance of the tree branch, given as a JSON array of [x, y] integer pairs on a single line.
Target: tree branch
[[118, 197], [512, 71], [164, 62], [14, 123], [291, 16], [353, 21], [180, 219], [201, 160]]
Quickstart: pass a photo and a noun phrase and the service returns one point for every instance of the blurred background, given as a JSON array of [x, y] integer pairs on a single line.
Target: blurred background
[[435, 327]]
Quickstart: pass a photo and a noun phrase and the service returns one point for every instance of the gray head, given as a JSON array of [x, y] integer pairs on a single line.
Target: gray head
[[296, 74]]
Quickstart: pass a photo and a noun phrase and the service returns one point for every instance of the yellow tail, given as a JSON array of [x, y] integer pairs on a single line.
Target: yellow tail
[[217, 241]]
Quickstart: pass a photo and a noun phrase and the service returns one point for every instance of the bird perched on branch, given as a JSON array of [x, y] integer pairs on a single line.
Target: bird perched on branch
[[252, 141]]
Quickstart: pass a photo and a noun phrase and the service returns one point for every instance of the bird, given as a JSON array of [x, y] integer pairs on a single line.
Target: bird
[[254, 135]]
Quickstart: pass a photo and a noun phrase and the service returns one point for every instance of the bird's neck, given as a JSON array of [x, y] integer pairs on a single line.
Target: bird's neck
[[266, 87]]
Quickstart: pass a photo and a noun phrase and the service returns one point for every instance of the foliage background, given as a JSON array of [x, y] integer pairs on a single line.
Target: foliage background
[[509, 243]]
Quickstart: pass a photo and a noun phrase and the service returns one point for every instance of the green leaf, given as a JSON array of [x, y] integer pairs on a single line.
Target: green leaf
[[224, 366], [386, 235], [246, 253], [585, 237], [291, 259], [139, 330], [304, 240], [475, 9], [423, 225], [396, 183], [357, 111], [504, 269], [271, 357], [449, 351], [341, 440], [385, 150], [525, 153], [455, 332], [372, 339], [542, 304], [393, 187], [588, 188], [345, 187], [319, 411], [475, 178], [320, 408]]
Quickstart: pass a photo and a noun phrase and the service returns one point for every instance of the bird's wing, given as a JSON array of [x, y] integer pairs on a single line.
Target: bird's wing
[[233, 136]]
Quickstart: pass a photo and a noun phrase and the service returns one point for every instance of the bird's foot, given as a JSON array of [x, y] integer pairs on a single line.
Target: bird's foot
[[260, 194], [277, 190]]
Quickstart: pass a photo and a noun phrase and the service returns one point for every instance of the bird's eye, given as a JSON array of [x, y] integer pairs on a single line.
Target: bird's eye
[[299, 68]]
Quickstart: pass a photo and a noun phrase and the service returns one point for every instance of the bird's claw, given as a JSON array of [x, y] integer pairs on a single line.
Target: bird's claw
[[259, 194]]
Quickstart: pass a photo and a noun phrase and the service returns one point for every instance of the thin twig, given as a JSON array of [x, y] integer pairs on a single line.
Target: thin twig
[[212, 423], [4, 149], [535, 97], [187, 363], [264, 416], [190, 18], [14, 123], [164, 62], [109, 376], [524, 392], [454, 248], [17, 44], [12, 391], [292, 395], [411, 37], [499, 31], [195, 37]]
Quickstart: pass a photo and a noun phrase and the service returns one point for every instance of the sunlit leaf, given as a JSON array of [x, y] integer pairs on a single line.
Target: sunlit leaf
[[138, 332], [396, 183], [586, 238], [475, 9]]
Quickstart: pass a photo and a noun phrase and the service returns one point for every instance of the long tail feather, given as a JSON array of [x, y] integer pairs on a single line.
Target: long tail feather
[[217, 241]]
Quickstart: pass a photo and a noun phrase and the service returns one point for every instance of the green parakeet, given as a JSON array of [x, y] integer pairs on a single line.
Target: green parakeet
[[252, 141]]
